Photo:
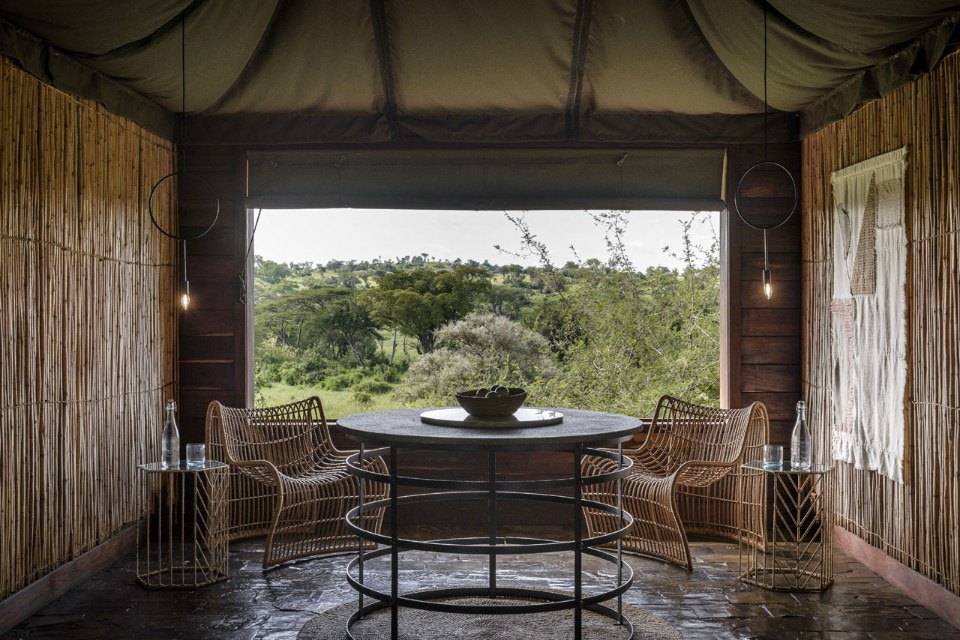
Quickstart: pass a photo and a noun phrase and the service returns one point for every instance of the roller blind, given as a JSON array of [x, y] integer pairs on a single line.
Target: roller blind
[[501, 179]]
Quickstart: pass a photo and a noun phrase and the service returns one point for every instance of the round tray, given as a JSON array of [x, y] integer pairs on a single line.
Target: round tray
[[522, 418]]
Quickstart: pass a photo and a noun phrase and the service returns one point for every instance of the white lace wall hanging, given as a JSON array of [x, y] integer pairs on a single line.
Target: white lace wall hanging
[[868, 322]]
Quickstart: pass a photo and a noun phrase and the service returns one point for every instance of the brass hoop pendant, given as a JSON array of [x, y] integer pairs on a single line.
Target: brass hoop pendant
[[194, 176], [736, 195]]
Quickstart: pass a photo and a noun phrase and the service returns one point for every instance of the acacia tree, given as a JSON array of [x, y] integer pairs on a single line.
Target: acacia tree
[[346, 327], [270, 271], [419, 301], [321, 319], [624, 338]]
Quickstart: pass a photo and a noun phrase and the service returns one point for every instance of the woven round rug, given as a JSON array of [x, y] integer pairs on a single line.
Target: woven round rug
[[427, 625]]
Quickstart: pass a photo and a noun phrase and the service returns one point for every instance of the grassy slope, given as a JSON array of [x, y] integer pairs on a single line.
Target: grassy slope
[[335, 403]]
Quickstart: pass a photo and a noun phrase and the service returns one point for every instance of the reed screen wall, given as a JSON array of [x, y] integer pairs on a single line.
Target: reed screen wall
[[916, 523], [87, 323]]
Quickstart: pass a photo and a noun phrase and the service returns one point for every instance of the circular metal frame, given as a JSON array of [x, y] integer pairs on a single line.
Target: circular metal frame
[[184, 174], [528, 600], [547, 601], [736, 195], [481, 545], [625, 464]]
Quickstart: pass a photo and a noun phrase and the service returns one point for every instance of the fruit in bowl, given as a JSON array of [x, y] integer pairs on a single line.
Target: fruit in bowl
[[492, 402]]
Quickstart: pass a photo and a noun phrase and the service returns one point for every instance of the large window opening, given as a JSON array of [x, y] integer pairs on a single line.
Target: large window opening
[[375, 309]]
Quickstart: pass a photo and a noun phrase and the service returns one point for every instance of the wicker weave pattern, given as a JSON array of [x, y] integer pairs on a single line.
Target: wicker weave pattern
[[288, 480], [687, 469]]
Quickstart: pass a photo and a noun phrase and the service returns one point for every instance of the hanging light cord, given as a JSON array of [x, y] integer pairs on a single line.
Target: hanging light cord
[[180, 171], [767, 164], [767, 284], [765, 82], [183, 90], [181, 149]]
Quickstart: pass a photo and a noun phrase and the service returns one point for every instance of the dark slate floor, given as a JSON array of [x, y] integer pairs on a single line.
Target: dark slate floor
[[709, 602]]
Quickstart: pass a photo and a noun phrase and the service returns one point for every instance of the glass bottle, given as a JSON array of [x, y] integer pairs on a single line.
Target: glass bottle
[[170, 440], [801, 447]]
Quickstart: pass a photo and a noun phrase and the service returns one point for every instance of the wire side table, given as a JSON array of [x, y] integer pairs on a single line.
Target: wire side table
[[795, 550], [182, 541]]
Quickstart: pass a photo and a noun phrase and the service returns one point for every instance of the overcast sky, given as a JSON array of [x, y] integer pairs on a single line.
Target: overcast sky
[[356, 234]]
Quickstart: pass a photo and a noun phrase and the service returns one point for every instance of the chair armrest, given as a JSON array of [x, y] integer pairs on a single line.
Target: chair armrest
[[700, 473], [262, 470]]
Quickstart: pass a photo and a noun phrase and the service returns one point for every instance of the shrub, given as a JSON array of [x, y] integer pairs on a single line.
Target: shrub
[[480, 350], [375, 386], [362, 398], [342, 381]]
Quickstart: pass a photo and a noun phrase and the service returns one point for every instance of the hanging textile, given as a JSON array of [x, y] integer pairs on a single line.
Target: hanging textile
[[869, 314]]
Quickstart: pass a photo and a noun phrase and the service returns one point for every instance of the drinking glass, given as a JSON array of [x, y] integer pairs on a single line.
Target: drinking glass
[[196, 455], [772, 456]]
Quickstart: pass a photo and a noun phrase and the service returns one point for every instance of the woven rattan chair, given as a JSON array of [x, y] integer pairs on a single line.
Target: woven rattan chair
[[288, 480], [686, 474]]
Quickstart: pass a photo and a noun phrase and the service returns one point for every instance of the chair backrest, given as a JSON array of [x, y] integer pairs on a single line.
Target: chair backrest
[[682, 432], [293, 437]]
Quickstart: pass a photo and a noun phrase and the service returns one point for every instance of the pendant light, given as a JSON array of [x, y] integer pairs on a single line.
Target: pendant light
[[765, 164], [185, 291], [182, 173]]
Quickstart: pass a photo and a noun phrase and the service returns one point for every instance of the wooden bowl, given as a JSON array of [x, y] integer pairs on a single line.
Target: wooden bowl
[[476, 402]]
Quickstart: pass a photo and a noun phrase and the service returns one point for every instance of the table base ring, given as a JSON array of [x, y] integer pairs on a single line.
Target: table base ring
[[563, 602]]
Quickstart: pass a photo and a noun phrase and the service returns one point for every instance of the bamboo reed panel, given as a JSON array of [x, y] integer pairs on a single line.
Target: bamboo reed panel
[[916, 523], [88, 337]]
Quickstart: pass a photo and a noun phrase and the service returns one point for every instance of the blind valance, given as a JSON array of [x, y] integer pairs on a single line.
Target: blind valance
[[489, 179]]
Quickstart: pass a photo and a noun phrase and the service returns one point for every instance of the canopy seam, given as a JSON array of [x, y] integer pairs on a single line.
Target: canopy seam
[[378, 17], [578, 60]]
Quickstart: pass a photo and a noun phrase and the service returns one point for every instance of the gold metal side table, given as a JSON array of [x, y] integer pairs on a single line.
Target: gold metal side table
[[182, 541], [794, 549]]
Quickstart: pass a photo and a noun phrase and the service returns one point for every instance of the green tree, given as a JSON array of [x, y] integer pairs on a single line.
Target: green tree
[[507, 300], [272, 272], [625, 338], [482, 349], [419, 301], [346, 327], [320, 319]]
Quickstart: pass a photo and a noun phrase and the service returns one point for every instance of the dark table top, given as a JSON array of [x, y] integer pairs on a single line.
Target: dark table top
[[404, 428]]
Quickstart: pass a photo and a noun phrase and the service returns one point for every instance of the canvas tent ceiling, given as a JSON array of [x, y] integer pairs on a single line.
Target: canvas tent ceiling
[[530, 72]]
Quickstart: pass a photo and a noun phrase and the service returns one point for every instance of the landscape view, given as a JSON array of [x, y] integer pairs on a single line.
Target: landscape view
[[409, 331]]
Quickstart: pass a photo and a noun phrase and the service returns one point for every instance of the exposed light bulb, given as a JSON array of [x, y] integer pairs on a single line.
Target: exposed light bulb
[[185, 294], [767, 285]]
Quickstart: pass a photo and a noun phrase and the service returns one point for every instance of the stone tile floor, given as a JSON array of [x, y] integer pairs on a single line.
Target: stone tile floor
[[709, 603]]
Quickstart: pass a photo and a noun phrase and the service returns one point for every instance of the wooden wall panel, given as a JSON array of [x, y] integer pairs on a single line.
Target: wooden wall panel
[[769, 323], [783, 405], [214, 354], [765, 364], [915, 523], [88, 344], [751, 295], [770, 350]]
